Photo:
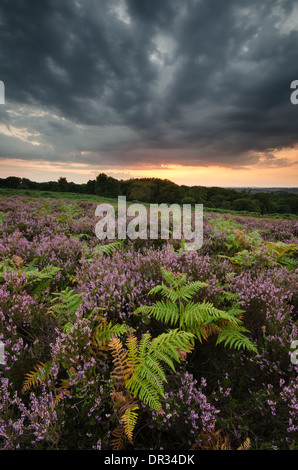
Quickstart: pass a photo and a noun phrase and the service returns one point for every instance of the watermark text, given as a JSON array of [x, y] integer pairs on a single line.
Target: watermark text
[[2, 358], [157, 220], [2, 92], [294, 95]]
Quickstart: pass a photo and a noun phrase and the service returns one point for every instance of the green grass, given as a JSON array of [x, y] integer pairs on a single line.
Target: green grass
[[76, 197], [38, 194]]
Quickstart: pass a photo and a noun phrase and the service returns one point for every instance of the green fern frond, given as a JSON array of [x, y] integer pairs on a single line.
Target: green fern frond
[[192, 317], [83, 236], [148, 376], [109, 248], [139, 369], [168, 276], [106, 250], [289, 263], [148, 379], [105, 330], [166, 345], [189, 290], [142, 388], [41, 279], [196, 318], [235, 338], [213, 314], [38, 279], [164, 310], [33, 264], [165, 291], [120, 329], [132, 352], [66, 304], [144, 343]]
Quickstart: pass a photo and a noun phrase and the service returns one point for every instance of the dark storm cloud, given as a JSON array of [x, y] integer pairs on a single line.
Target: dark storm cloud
[[160, 81], [61, 54]]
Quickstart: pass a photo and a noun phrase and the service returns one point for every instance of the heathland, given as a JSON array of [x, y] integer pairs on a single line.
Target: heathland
[[141, 344]]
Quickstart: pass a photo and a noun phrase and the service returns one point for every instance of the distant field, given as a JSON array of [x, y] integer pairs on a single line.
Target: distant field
[[56, 195], [100, 199]]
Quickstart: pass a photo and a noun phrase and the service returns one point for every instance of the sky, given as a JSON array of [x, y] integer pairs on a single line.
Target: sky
[[195, 91]]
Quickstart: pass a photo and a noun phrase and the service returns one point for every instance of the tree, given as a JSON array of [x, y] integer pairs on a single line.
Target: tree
[[90, 187], [199, 193], [188, 200], [140, 191], [13, 182], [170, 193], [62, 184], [101, 184], [107, 186], [245, 204], [27, 184]]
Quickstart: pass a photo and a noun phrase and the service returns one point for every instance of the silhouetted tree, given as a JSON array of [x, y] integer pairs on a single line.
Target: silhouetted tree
[[107, 186], [62, 184]]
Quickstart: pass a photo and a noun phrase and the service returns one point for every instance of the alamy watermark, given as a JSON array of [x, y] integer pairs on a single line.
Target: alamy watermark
[[294, 95], [294, 354], [2, 357], [185, 224], [2, 92]]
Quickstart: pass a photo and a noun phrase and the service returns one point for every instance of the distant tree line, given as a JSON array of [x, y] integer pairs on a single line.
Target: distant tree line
[[155, 190]]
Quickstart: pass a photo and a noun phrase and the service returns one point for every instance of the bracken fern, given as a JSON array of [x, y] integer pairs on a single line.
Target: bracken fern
[[201, 319], [139, 374]]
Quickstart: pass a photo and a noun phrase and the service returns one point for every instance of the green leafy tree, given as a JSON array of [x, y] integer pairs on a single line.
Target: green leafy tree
[[140, 192], [188, 200], [107, 186], [246, 204], [13, 182], [170, 193], [62, 184]]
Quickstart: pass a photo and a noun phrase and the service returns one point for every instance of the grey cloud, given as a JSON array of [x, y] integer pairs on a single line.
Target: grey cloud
[[192, 82]]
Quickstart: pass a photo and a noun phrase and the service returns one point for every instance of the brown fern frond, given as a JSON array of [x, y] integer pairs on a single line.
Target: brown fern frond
[[245, 445], [209, 330], [123, 400], [129, 403], [122, 371], [183, 354], [18, 262], [118, 398], [60, 397], [126, 406], [129, 421], [127, 418], [214, 440], [118, 442], [240, 237], [50, 311], [34, 378], [64, 384]]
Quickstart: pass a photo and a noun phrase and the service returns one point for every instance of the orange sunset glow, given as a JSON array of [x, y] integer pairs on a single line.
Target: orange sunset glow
[[259, 175]]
